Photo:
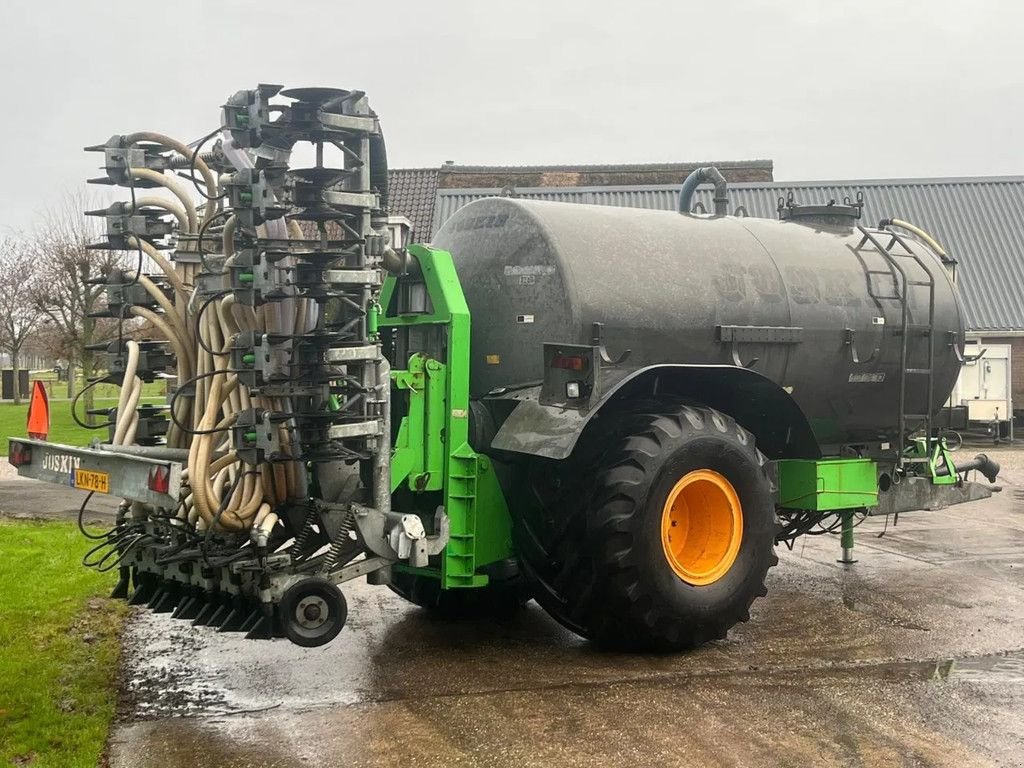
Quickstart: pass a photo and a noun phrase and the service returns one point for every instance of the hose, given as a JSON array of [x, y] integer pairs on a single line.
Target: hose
[[174, 317], [127, 428], [158, 202], [930, 241], [180, 344], [175, 189], [123, 417], [224, 493], [185, 151], [220, 491], [228, 237], [379, 168], [165, 266]]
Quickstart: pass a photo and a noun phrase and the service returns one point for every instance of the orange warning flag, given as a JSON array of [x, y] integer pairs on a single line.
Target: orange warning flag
[[38, 413]]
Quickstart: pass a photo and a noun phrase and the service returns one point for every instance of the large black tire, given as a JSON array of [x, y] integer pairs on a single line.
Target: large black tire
[[502, 597], [595, 554]]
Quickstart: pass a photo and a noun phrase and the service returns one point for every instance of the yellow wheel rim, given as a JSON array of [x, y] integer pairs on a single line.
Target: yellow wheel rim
[[702, 527]]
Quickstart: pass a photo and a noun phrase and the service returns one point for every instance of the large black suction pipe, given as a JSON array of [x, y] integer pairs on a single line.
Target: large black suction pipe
[[379, 167], [981, 462], [710, 175]]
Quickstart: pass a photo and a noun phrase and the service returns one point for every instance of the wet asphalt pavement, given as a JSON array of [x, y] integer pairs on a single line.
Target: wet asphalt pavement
[[912, 657], [42, 501]]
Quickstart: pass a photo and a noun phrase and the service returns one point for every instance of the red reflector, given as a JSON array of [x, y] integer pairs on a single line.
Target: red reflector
[[569, 363], [19, 454], [38, 426], [160, 479]]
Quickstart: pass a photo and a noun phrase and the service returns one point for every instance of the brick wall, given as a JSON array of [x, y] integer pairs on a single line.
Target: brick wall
[[470, 177]]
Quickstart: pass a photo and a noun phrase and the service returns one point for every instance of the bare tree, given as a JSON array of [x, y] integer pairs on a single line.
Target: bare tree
[[19, 313], [67, 291]]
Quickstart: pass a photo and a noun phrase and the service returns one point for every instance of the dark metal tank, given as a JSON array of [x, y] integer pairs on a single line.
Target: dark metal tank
[[669, 287]]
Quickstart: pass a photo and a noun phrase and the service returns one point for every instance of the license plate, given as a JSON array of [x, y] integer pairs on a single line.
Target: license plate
[[88, 480]]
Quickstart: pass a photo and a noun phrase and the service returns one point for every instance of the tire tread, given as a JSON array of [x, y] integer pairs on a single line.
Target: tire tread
[[590, 581]]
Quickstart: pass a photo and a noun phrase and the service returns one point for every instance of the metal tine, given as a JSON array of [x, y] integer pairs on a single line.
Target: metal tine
[[234, 619], [184, 607], [168, 600], [209, 605], [220, 604], [120, 590], [218, 615], [251, 621], [262, 630], [190, 610], [144, 587], [156, 596]]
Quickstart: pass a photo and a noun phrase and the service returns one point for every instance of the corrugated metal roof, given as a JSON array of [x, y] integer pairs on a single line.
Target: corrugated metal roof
[[979, 221], [413, 191]]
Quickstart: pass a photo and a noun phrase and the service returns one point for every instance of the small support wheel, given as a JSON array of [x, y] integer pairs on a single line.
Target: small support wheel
[[312, 612]]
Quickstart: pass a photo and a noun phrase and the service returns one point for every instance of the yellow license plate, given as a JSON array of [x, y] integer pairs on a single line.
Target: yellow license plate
[[88, 480]]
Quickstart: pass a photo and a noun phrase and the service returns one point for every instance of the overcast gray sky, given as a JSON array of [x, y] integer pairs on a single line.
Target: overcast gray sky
[[876, 88]]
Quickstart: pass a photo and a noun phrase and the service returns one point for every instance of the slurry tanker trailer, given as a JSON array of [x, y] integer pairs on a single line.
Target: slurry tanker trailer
[[618, 413]]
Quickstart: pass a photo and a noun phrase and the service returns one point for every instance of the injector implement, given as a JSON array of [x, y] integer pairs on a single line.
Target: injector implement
[[645, 404]]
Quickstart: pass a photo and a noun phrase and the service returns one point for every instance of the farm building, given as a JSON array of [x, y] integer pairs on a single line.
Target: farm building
[[978, 220]]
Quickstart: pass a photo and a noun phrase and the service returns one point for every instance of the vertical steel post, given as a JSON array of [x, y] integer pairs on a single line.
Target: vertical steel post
[[846, 538]]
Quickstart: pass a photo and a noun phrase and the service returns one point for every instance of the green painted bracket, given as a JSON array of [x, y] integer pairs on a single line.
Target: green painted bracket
[[940, 456], [432, 450], [418, 456]]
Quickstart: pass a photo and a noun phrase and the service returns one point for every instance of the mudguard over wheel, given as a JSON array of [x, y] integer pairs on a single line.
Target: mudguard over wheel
[[668, 539]]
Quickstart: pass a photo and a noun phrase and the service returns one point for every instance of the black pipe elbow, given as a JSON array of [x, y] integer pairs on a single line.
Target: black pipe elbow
[[711, 175], [981, 463], [985, 465]]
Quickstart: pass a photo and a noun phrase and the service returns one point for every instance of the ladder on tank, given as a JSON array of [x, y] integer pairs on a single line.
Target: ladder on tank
[[893, 258]]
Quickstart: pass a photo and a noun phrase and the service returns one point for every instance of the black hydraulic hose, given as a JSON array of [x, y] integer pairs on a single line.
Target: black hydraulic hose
[[710, 175], [182, 387], [74, 402], [106, 536], [205, 544]]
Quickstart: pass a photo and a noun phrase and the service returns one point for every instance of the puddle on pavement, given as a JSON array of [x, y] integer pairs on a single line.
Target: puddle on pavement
[[985, 669], [999, 669], [894, 616]]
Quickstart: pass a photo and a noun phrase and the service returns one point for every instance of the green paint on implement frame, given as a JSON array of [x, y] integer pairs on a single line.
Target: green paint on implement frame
[[432, 451]]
